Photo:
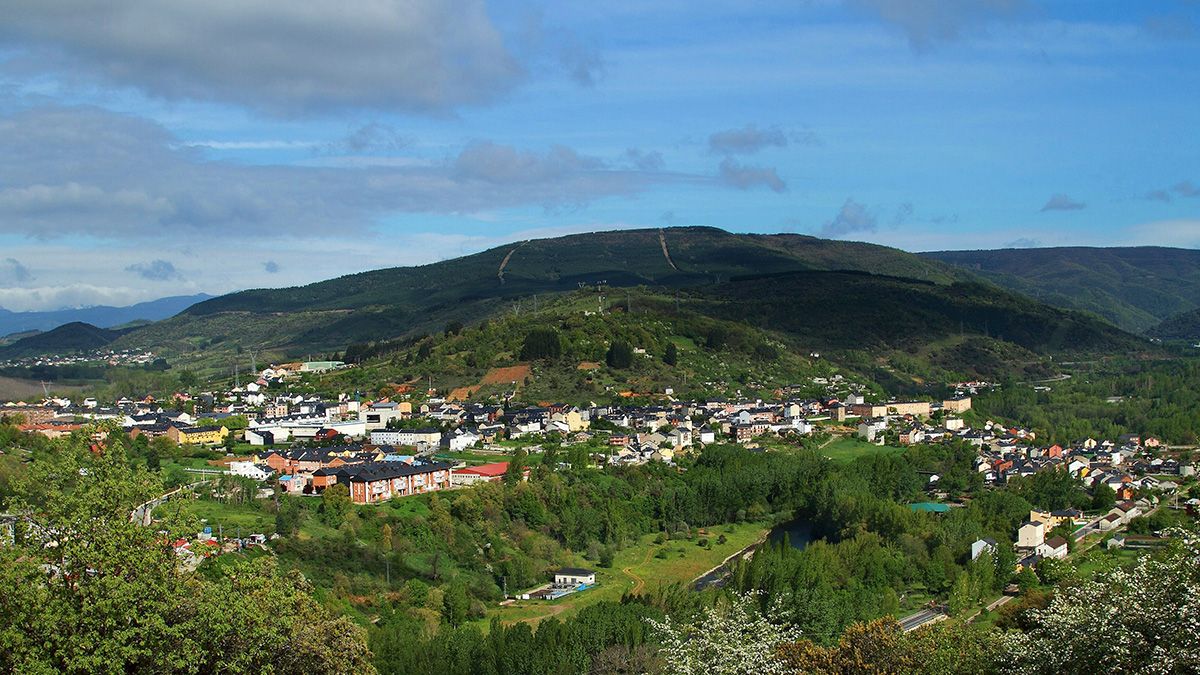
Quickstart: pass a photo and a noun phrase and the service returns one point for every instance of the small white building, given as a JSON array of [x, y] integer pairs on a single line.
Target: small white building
[[1054, 547], [981, 545], [249, 470], [569, 577]]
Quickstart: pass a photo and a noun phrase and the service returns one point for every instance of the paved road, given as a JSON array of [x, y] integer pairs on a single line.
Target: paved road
[[925, 616]]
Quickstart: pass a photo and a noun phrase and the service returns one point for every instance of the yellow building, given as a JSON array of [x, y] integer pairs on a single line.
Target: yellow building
[[197, 435]]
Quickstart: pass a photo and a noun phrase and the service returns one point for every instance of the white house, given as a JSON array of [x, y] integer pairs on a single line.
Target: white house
[[1054, 547], [569, 577], [1031, 535], [461, 440], [981, 545], [249, 470]]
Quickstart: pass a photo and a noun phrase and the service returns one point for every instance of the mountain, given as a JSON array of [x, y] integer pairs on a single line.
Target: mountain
[[750, 335], [393, 302], [1182, 326], [66, 339], [101, 316], [1135, 288]]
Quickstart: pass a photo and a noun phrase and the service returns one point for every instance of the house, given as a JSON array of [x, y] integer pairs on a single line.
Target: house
[[1126, 511], [1031, 535], [958, 404], [249, 470], [1054, 547], [569, 577], [980, 546], [1110, 522], [377, 415], [197, 435]]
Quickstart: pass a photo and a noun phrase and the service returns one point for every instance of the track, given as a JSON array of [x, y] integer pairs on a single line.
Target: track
[[504, 263], [662, 240]]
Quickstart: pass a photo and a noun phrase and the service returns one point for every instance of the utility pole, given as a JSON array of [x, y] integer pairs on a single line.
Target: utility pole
[[504, 580]]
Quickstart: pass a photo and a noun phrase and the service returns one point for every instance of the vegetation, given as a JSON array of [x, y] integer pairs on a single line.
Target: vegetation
[[1134, 288]]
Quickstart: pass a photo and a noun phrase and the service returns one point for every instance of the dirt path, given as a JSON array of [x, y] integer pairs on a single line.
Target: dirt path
[[638, 582], [662, 240], [504, 263]]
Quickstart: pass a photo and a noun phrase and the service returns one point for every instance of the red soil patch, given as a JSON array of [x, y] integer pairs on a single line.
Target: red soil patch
[[516, 373]]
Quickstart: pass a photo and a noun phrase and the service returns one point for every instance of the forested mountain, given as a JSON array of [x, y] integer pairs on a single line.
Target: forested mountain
[[101, 315], [1181, 326], [1133, 287], [68, 338], [919, 301]]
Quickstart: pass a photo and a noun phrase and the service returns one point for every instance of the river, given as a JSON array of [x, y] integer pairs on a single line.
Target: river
[[797, 533]]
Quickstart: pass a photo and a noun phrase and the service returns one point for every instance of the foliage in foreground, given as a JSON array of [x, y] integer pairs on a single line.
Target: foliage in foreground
[[88, 591]]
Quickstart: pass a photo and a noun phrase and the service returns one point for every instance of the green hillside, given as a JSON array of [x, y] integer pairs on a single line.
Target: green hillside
[[1182, 326], [1134, 288], [747, 336], [66, 339], [406, 300]]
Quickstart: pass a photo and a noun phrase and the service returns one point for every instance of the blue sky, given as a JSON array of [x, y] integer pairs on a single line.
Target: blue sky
[[180, 146]]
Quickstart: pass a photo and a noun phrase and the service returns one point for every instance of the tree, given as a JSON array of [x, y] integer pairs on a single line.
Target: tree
[[335, 504], [620, 354], [456, 605], [88, 589], [671, 355], [1103, 497], [515, 472], [1155, 630], [729, 638], [541, 343], [960, 595], [454, 327]]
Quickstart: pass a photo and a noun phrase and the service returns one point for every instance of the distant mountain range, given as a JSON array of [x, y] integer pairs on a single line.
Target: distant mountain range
[[1135, 288], [99, 316]]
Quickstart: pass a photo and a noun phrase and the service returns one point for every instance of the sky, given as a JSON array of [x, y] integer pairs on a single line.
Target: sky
[[164, 147]]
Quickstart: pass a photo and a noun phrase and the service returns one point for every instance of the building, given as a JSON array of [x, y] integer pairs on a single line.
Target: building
[[377, 415], [249, 470], [484, 473], [574, 576], [412, 437], [380, 481], [197, 435], [918, 408], [1031, 535], [983, 545], [1054, 547], [958, 404]]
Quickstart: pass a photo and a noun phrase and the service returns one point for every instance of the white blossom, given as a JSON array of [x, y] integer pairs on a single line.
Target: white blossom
[[1145, 620], [730, 638]]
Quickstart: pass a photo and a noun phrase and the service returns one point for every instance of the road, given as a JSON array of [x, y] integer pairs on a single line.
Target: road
[[921, 618]]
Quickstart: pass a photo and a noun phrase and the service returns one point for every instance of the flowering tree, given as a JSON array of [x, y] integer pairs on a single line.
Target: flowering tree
[[1145, 620], [730, 638]]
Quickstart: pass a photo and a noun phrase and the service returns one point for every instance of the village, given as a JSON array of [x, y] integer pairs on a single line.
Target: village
[[391, 448]]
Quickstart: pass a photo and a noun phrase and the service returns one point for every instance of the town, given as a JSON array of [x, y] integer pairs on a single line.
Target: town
[[421, 442]]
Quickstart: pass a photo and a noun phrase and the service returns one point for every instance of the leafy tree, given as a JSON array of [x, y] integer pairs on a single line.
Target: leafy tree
[[1103, 497], [456, 604], [1154, 630], [620, 354], [88, 589], [541, 343], [454, 327], [731, 638], [671, 355], [335, 504]]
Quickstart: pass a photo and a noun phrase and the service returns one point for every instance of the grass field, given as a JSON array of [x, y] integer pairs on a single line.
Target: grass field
[[228, 516], [847, 449], [637, 568]]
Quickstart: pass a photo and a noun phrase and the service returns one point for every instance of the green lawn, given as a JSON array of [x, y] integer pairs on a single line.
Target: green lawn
[[848, 448], [636, 568], [229, 516]]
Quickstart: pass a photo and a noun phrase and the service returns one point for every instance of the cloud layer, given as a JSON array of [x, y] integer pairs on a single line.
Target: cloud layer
[[87, 171], [747, 140], [286, 58]]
